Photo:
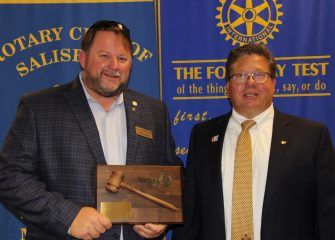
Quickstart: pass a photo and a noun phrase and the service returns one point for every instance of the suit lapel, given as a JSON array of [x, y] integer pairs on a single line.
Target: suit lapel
[[77, 101], [215, 150], [279, 146], [131, 105]]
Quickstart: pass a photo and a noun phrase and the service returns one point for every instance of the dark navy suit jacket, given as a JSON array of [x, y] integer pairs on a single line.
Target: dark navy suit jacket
[[299, 201], [48, 161]]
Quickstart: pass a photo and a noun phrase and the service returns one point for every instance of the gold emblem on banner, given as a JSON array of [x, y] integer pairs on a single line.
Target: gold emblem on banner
[[248, 21]]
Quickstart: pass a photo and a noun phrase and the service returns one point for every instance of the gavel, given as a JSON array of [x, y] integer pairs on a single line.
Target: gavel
[[115, 181]]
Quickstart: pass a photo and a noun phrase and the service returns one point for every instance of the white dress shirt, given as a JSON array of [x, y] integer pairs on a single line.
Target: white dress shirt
[[261, 134], [112, 127]]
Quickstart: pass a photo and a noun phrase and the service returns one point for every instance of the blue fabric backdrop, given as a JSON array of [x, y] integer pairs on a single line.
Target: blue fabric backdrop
[[194, 36]]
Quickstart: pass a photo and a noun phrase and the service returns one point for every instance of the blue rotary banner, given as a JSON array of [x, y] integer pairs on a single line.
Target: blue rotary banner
[[39, 46], [197, 36]]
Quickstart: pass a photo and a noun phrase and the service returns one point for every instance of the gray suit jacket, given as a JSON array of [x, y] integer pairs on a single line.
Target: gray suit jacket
[[48, 161], [299, 201]]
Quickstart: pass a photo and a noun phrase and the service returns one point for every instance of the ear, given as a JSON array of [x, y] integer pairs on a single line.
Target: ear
[[82, 59], [228, 87], [274, 85]]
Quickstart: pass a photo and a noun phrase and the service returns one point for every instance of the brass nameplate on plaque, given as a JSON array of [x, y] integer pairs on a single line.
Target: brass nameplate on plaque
[[140, 193], [118, 211]]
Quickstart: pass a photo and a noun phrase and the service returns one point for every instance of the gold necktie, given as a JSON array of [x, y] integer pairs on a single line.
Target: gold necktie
[[242, 216]]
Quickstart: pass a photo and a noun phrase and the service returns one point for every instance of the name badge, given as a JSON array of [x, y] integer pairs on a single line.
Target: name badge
[[143, 132]]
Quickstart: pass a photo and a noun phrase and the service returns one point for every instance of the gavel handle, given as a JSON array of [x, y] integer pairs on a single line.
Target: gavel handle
[[152, 198]]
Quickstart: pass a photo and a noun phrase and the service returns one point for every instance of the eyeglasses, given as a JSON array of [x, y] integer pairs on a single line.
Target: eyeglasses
[[241, 78]]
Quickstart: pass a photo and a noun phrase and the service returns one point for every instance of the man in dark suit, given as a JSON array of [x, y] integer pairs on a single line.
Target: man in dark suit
[[293, 163], [48, 161]]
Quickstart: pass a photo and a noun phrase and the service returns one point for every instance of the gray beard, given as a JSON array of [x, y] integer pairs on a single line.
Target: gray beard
[[94, 84]]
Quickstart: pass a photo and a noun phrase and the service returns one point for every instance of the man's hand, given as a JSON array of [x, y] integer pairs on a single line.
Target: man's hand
[[150, 230], [89, 224]]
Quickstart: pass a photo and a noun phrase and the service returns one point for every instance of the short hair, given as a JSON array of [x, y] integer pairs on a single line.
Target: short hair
[[249, 49], [105, 25]]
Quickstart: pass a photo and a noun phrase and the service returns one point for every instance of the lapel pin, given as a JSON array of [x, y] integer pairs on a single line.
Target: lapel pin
[[215, 138], [134, 103], [283, 142]]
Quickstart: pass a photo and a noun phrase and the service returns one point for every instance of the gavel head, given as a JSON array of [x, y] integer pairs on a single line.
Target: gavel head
[[114, 181]]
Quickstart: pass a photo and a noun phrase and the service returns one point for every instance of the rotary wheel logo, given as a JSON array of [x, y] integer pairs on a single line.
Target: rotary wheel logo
[[248, 21]]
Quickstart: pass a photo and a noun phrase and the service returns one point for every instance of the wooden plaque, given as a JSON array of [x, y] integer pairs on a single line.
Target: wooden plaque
[[125, 206]]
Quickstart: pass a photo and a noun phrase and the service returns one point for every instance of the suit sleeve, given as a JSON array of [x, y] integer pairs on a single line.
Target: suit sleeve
[[170, 150], [21, 188], [325, 174]]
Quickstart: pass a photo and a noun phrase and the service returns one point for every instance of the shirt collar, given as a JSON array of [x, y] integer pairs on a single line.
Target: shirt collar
[[259, 119]]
